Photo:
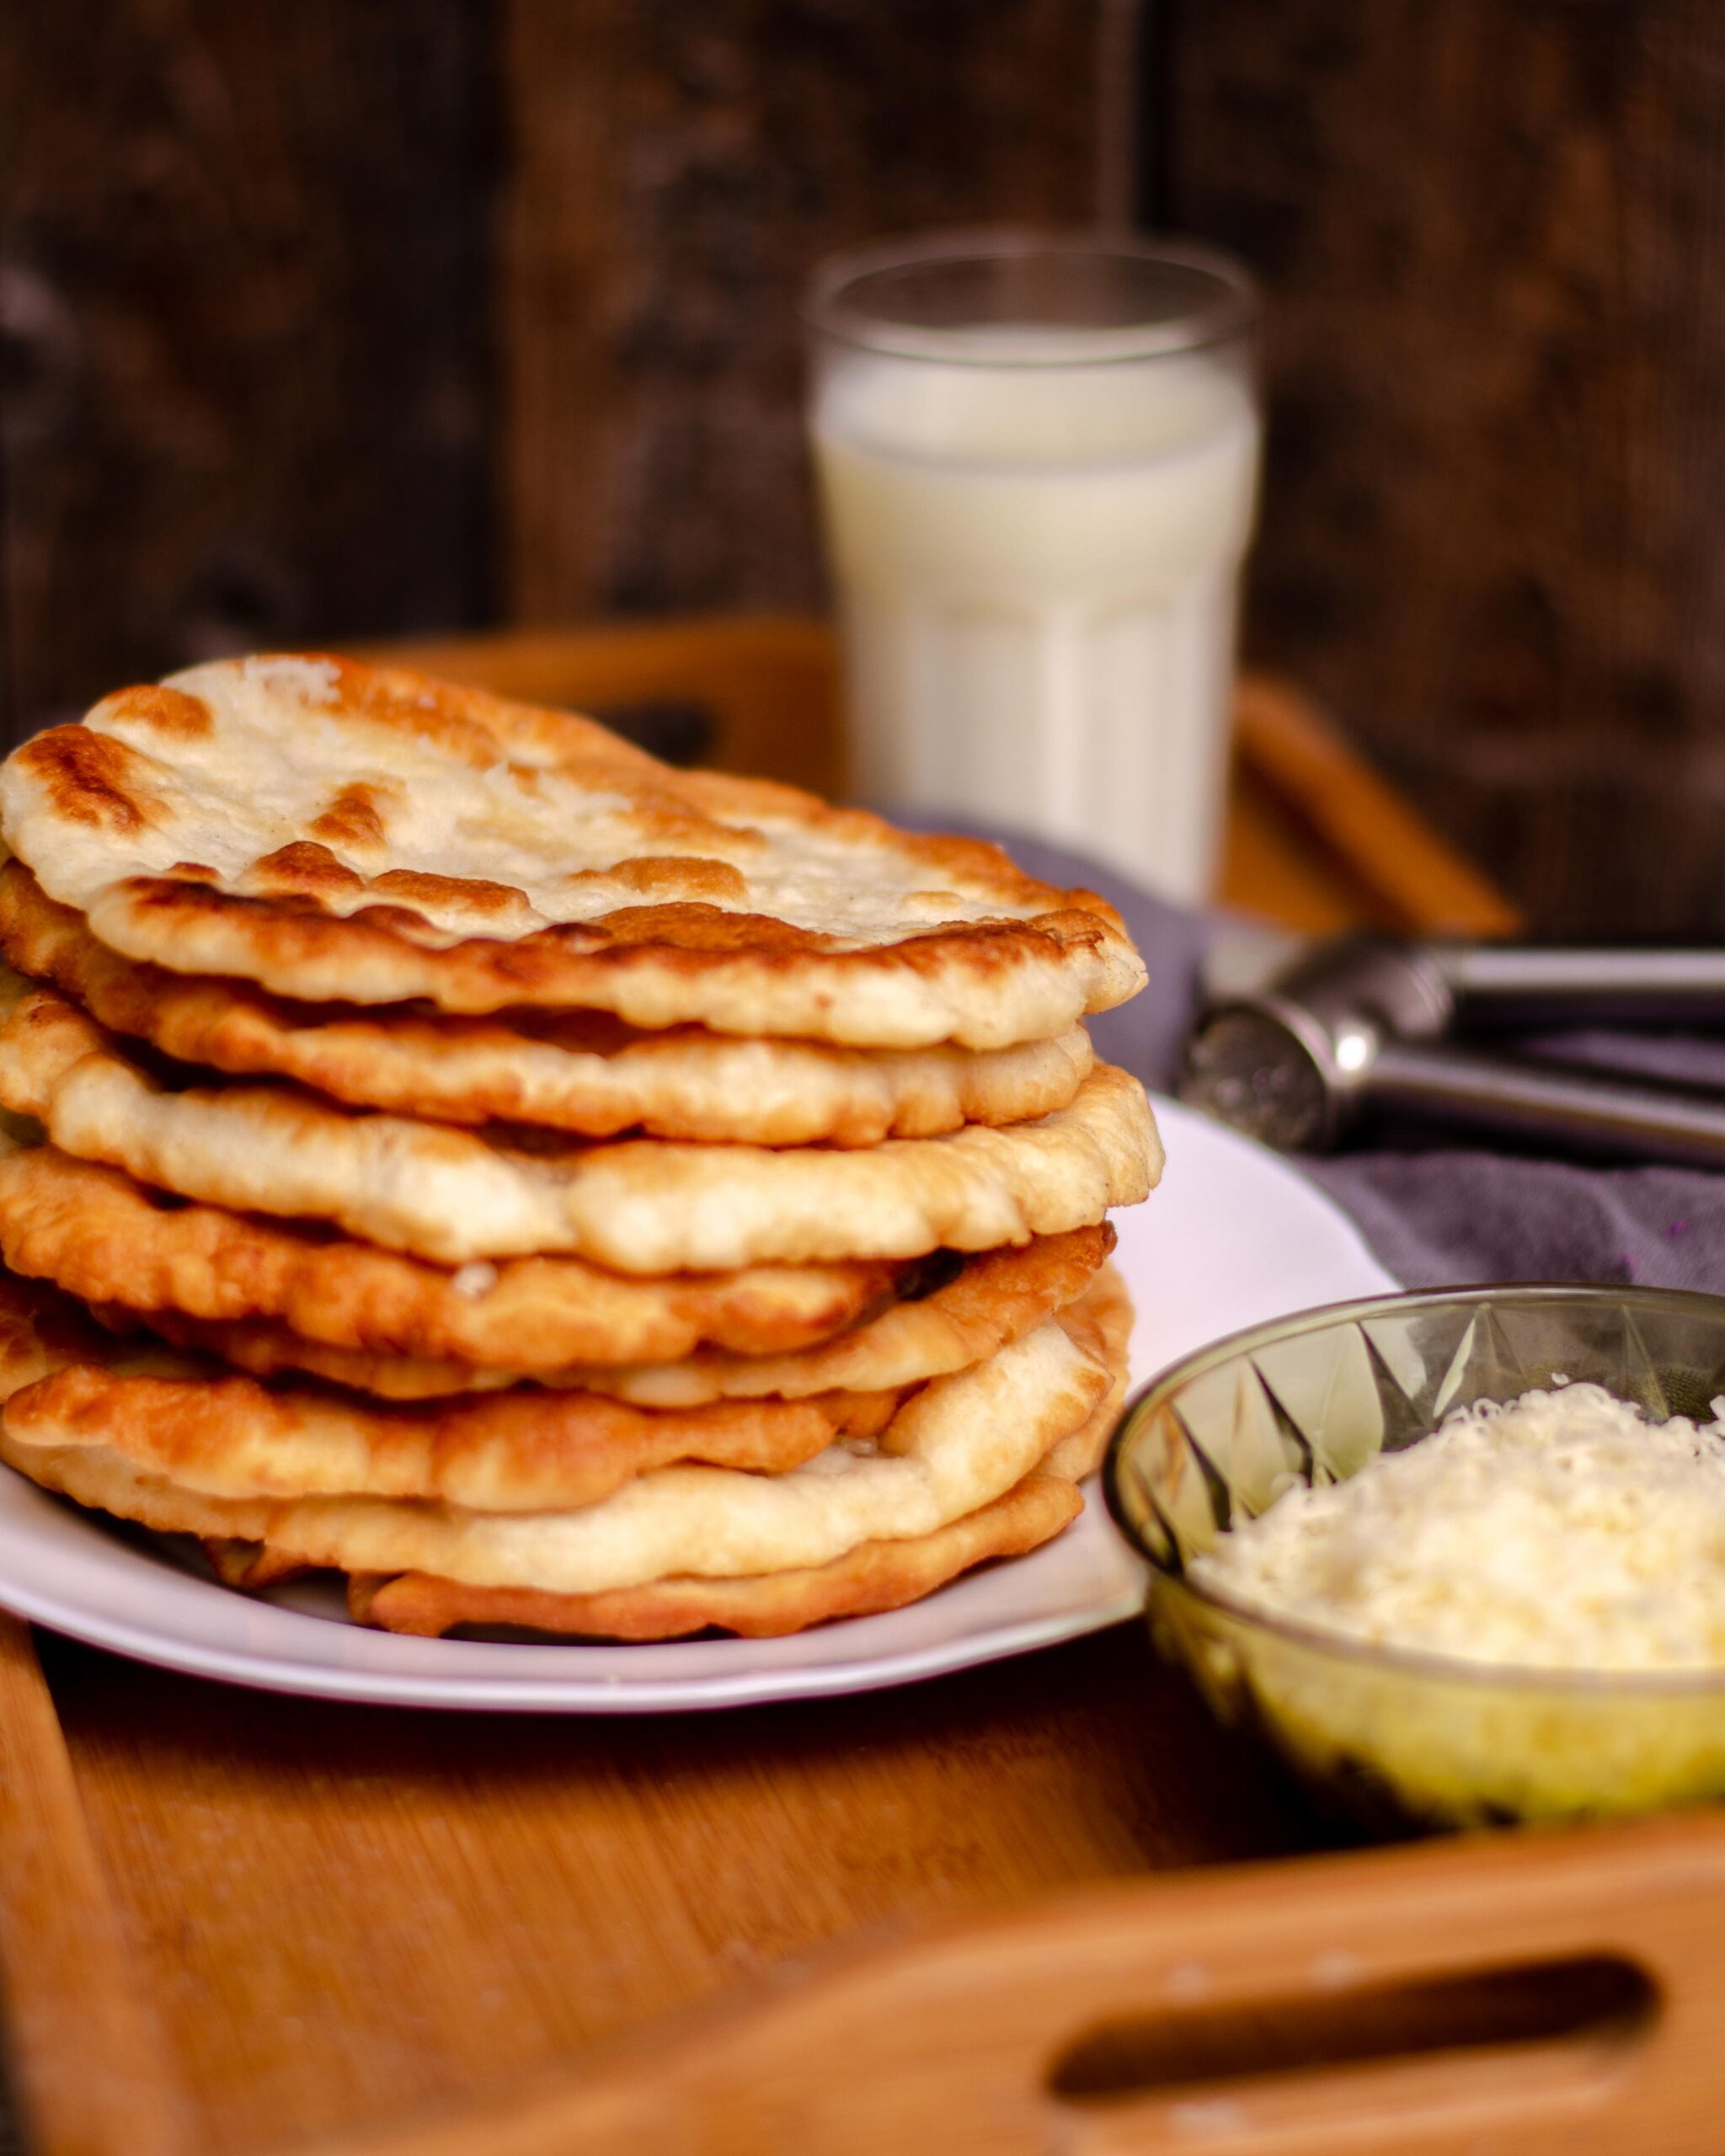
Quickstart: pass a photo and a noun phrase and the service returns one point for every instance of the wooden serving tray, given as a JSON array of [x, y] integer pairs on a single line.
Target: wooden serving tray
[[1018, 1909]]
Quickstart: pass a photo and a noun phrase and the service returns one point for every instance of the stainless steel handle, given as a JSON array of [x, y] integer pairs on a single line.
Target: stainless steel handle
[[1522, 983], [1583, 1111], [1366, 1021]]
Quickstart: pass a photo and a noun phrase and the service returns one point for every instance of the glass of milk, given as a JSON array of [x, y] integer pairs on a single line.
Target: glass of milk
[[1038, 459]]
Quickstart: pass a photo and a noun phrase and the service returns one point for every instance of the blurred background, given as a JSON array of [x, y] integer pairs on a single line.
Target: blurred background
[[346, 318]]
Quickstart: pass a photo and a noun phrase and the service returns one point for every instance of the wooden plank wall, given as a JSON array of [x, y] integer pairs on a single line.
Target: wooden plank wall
[[243, 337], [1494, 236], [677, 171], [327, 320]]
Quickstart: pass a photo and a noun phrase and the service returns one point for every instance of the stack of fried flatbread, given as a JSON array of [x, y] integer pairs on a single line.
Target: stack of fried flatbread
[[446, 1146]]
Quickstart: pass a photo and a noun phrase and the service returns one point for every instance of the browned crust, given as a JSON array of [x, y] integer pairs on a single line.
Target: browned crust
[[992, 1299], [518, 1451], [353, 816], [1103, 1322], [168, 711], [42, 1331], [472, 726], [289, 932], [451, 1196], [103, 1236], [880, 1575], [92, 778], [195, 1432], [253, 1565], [298, 919], [469, 1070], [875, 1576], [283, 1497]]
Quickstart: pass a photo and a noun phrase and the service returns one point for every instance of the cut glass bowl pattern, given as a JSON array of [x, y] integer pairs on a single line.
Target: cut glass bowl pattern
[[1398, 1738]]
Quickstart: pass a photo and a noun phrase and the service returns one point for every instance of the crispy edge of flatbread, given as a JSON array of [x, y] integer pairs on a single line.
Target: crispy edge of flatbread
[[641, 1206], [951, 1447], [71, 1384], [580, 1072], [101, 1235], [363, 887], [875, 1576], [225, 1436], [991, 1300]]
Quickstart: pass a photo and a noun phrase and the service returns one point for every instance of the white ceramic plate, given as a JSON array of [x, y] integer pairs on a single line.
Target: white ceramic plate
[[1233, 1235]]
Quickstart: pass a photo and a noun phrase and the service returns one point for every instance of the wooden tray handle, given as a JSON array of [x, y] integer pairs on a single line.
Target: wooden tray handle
[[961, 2038]]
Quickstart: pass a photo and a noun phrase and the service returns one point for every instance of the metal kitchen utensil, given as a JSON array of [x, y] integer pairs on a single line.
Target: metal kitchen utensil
[[1360, 1023]]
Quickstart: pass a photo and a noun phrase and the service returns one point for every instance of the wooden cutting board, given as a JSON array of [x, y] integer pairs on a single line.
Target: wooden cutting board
[[229, 1921]]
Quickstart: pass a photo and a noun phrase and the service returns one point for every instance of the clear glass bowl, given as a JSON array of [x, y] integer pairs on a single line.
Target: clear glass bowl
[[1396, 1738]]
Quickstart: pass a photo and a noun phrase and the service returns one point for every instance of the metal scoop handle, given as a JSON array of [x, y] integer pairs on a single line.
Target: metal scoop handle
[[1576, 1110], [1368, 1021], [1532, 985]]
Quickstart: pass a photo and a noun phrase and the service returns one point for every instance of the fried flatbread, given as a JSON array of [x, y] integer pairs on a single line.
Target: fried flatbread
[[876, 1575], [343, 833], [100, 1235], [227, 1437], [583, 1071], [643, 1206], [951, 1448], [988, 1301], [1101, 1322]]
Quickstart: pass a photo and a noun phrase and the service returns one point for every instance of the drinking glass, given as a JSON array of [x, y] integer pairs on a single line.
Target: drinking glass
[[1038, 459]]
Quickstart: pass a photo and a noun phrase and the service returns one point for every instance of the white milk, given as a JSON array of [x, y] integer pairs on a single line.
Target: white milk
[[1037, 566]]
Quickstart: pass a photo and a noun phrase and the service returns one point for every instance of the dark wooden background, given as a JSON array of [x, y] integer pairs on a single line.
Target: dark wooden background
[[333, 319]]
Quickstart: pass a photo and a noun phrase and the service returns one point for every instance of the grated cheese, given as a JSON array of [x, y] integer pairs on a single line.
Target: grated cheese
[[1563, 1530]]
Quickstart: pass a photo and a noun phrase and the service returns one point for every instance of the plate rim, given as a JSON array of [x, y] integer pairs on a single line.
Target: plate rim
[[258, 1671], [735, 1682]]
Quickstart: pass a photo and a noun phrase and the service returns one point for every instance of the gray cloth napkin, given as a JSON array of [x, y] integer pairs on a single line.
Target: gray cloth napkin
[[1453, 1214]]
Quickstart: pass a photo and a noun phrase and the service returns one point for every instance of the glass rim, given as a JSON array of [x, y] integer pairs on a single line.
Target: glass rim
[[1228, 316], [1411, 1662]]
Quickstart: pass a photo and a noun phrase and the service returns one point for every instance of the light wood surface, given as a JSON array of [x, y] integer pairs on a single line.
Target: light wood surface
[[340, 1914], [229, 1921], [86, 2066], [969, 2035]]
